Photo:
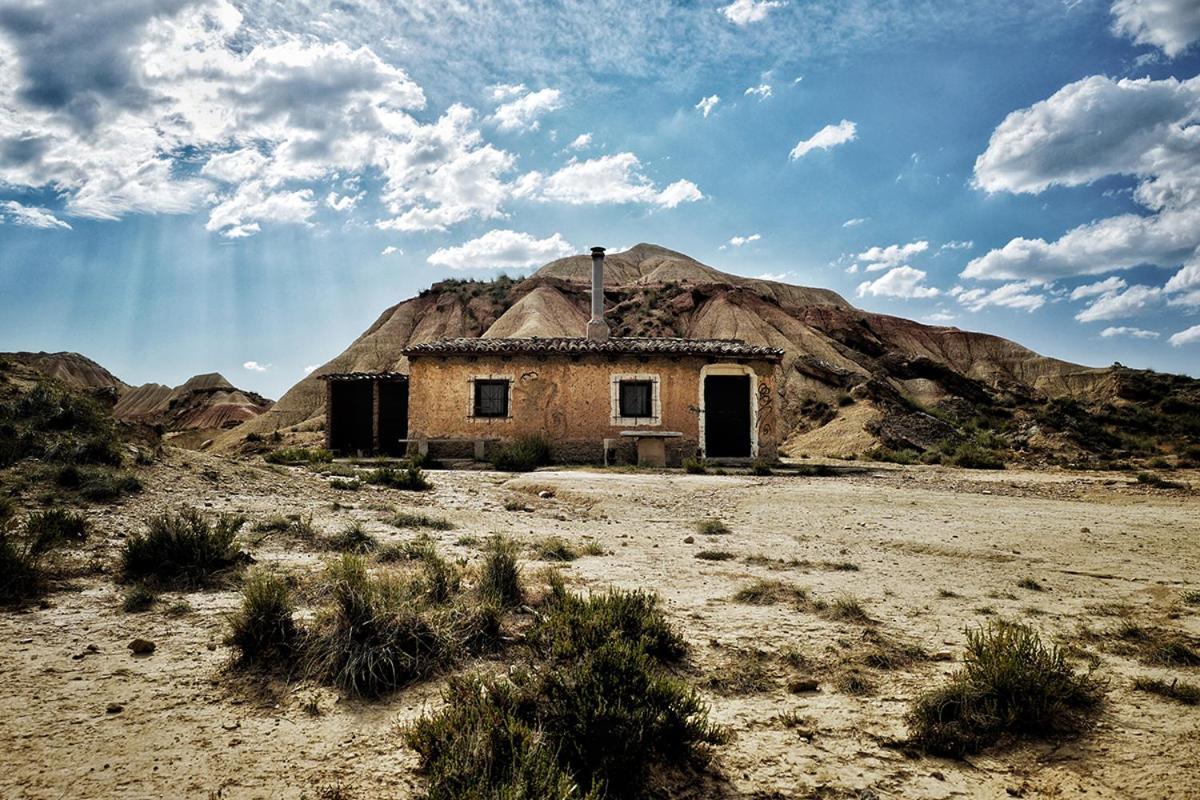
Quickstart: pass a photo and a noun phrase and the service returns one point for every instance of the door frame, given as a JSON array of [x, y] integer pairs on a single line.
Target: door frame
[[730, 369]]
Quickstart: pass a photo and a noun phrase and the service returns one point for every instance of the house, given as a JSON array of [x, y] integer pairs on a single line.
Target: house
[[595, 398]]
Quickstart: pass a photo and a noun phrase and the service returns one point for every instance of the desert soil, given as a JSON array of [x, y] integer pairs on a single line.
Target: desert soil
[[937, 551]]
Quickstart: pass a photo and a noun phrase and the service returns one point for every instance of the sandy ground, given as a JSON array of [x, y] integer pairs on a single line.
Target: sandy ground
[[936, 550]]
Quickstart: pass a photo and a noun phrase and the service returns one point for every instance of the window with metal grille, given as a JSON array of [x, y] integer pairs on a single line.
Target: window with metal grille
[[637, 399], [491, 398]]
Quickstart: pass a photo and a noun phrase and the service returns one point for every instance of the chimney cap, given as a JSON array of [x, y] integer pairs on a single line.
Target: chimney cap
[[597, 252]]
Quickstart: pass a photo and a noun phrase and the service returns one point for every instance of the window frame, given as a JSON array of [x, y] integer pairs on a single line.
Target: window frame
[[623, 386], [477, 382], [617, 418]]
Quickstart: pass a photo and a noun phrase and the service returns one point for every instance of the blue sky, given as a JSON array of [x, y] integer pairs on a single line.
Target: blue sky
[[199, 185]]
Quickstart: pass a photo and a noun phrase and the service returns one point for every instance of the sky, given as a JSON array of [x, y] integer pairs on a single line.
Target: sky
[[190, 186]]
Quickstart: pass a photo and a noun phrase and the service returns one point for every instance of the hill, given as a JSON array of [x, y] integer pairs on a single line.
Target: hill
[[205, 403], [852, 381]]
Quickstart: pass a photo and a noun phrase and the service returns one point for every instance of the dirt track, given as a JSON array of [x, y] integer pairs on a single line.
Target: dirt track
[[1102, 550]]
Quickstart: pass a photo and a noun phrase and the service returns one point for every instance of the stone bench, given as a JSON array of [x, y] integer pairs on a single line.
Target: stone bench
[[651, 446], [480, 444]]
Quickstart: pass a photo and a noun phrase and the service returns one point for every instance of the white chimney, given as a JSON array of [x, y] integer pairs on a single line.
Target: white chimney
[[597, 328]]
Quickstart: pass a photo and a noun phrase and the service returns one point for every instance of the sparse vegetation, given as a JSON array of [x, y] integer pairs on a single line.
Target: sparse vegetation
[[293, 456], [515, 505], [410, 478], [556, 548], [1157, 481], [1011, 684], [345, 484], [263, 630], [183, 549], [1180, 691], [53, 528], [694, 466], [712, 527], [594, 723], [903, 456], [1031, 584], [524, 454], [761, 467], [499, 575], [847, 608], [299, 526], [714, 555], [405, 519], [1191, 598], [766, 593], [139, 598], [352, 539]]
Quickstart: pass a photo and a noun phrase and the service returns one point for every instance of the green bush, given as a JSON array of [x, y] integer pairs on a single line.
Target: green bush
[[183, 549], [572, 625], [263, 630], [904, 456], [53, 528], [597, 722], [405, 519], [139, 598], [372, 637], [524, 454], [292, 456], [970, 455], [1010, 685], [712, 527], [555, 548], [352, 539], [410, 478], [499, 575], [694, 466]]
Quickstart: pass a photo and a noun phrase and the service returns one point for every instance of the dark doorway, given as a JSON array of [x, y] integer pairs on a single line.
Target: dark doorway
[[727, 416], [350, 406], [393, 416]]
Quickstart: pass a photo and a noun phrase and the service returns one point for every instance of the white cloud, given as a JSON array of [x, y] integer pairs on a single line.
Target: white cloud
[[881, 258], [744, 12], [502, 248], [524, 113], [506, 91], [1106, 286], [581, 141], [738, 241], [608, 179], [1117, 305], [1087, 130], [254, 366], [824, 139], [1022, 295], [707, 104], [238, 214], [30, 216], [963, 245], [939, 317], [898, 282], [778, 277], [1170, 25], [762, 91], [311, 368], [854, 222], [343, 202], [1189, 336], [391, 250], [1137, 333]]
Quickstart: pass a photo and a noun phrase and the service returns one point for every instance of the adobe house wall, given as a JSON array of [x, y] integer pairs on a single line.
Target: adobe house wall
[[569, 401]]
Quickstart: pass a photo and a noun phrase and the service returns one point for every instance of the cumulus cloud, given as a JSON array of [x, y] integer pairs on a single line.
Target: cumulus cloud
[[1170, 25], [581, 141], [738, 241], [524, 112], [940, 317], [1021, 295], [30, 216], [254, 366], [1137, 333], [391, 250], [502, 248], [762, 91], [826, 138], [881, 258], [744, 12], [707, 104], [1188, 336], [904, 282], [1106, 286], [311, 368], [607, 179], [1117, 305], [1085, 131]]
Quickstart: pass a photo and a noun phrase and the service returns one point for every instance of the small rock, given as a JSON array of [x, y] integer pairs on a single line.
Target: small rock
[[689, 539], [802, 685], [141, 647], [1085, 529], [92, 648], [211, 646], [545, 494], [114, 708], [937, 775], [26, 641], [207, 443]]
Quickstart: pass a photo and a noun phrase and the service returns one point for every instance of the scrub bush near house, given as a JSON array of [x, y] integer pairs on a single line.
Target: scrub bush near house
[[183, 549], [410, 478], [524, 454], [263, 629], [292, 456]]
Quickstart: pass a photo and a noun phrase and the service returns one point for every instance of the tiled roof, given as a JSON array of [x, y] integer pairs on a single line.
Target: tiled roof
[[570, 346], [363, 376]]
